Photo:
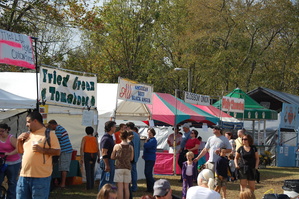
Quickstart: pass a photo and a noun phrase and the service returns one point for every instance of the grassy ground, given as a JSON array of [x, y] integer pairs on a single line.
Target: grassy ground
[[271, 178]]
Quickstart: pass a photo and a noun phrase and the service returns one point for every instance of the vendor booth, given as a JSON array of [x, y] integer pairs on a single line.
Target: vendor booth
[[285, 142], [253, 113]]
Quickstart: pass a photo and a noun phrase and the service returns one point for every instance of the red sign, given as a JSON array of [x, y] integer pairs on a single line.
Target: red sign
[[232, 104]]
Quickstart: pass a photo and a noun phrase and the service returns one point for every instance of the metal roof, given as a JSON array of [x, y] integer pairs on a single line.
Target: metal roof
[[276, 98]]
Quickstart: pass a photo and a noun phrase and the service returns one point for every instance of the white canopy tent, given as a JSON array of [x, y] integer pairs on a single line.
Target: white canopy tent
[[14, 110], [11, 101]]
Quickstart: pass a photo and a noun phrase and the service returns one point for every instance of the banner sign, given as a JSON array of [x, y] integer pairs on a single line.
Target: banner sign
[[16, 49], [131, 91], [65, 88], [194, 98], [289, 116], [232, 104]]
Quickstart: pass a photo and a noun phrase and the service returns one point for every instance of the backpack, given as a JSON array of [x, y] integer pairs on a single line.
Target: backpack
[[55, 158]]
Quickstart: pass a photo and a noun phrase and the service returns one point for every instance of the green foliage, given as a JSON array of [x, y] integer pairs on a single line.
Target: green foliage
[[225, 43]]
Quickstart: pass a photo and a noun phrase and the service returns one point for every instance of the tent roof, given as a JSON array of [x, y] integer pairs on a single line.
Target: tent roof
[[226, 120], [170, 110], [12, 101], [253, 110], [273, 99]]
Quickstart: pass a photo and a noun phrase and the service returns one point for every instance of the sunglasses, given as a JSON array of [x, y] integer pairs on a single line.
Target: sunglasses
[[244, 139], [192, 133]]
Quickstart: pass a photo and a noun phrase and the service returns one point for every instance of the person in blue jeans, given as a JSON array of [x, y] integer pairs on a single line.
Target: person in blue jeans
[[106, 148], [136, 144], [149, 156], [13, 160], [35, 175]]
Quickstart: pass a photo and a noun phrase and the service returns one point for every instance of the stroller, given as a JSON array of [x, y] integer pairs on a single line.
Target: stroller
[[3, 166]]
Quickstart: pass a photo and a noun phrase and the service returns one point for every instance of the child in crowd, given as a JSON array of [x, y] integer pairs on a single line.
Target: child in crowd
[[247, 194], [108, 191], [188, 173], [221, 172], [232, 167]]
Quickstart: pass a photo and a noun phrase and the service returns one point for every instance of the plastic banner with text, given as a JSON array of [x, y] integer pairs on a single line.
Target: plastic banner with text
[[129, 90], [232, 104], [64, 88], [197, 99], [289, 116], [16, 49]]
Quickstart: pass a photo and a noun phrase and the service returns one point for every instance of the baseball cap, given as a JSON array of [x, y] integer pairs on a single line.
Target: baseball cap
[[216, 127], [161, 187], [186, 125]]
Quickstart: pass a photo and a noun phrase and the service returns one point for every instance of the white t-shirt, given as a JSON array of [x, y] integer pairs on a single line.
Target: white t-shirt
[[202, 193], [215, 143]]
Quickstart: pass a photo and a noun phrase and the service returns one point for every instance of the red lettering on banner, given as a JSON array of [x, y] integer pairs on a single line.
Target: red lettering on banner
[[225, 104], [126, 91], [230, 105], [237, 105], [11, 43]]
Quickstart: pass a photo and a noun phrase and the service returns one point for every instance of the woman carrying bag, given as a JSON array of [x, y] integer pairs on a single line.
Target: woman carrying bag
[[247, 162]]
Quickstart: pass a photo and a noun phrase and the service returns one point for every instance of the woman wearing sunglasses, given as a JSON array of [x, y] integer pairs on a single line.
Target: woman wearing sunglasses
[[247, 161]]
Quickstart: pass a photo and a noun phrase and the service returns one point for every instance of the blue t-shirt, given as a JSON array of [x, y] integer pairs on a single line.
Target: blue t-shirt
[[64, 140], [107, 143], [149, 149]]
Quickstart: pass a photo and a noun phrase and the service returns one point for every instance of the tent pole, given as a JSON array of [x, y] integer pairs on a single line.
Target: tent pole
[[36, 71], [265, 132], [114, 115], [174, 136]]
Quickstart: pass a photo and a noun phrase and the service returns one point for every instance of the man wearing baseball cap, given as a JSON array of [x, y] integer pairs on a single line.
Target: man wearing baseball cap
[[186, 136], [213, 146], [162, 190]]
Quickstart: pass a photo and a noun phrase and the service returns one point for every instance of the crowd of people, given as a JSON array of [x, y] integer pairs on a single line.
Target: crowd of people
[[227, 161], [30, 156]]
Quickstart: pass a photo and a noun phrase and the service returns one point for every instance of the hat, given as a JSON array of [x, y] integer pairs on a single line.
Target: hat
[[161, 187], [186, 125], [216, 127]]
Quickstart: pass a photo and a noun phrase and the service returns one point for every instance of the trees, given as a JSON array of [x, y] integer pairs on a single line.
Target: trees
[[226, 43]]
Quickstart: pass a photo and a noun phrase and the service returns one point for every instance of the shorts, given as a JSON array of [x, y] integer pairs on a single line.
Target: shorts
[[249, 175], [221, 183], [64, 161], [122, 175]]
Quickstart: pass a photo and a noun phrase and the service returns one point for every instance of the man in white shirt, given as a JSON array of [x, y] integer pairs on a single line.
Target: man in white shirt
[[213, 146]]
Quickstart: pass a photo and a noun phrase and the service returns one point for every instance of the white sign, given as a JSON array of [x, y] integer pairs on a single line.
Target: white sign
[[131, 91], [232, 104], [16, 49], [289, 116], [64, 88], [87, 118], [194, 98]]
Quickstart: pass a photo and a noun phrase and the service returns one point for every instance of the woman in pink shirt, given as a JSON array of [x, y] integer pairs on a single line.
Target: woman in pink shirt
[[13, 160]]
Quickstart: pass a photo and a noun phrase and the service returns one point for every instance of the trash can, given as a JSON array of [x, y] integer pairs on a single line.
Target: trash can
[[276, 196], [291, 188]]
